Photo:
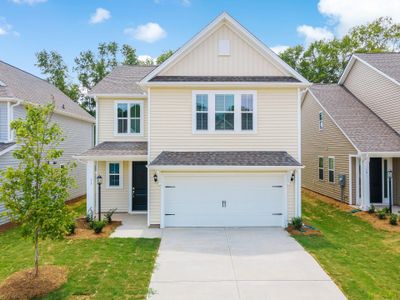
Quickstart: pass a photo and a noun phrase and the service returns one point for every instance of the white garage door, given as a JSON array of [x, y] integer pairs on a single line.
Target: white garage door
[[223, 200]]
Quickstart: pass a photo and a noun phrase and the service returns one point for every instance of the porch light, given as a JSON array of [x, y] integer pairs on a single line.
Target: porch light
[[390, 173], [155, 177], [99, 179]]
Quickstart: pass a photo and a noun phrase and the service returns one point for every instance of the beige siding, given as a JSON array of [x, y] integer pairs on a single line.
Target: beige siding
[[377, 92], [396, 181], [327, 142], [115, 197], [106, 121], [244, 59], [276, 129]]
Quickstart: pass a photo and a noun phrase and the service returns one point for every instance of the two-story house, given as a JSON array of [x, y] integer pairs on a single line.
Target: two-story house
[[211, 137], [351, 133], [18, 88]]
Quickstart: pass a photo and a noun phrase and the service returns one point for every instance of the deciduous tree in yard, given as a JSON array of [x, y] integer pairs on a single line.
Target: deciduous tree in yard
[[34, 192]]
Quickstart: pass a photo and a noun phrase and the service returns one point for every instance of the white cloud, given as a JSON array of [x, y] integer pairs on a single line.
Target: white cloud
[[312, 34], [149, 32], [146, 57], [5, 28], [29, 2], [279, 48], [101, 15], [345, 14], [186, 2]]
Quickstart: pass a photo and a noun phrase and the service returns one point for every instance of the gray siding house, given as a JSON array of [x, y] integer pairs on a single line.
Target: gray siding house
[[17, 88]]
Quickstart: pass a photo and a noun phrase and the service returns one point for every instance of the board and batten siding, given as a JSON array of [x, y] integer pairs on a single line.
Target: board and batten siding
[[78, 138], [329, 141], [203, 59], [376, 91], [106, 121], [276, 130], [3, 121]]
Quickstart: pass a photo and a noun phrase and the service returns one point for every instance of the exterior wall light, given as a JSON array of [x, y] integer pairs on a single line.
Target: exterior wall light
[[155, 177]]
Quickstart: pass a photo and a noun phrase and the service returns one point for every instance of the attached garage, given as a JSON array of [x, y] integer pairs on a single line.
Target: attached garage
[[225, 189]]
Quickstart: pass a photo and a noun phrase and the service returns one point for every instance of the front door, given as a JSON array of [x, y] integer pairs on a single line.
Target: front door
[[139, 186], [375, 180]]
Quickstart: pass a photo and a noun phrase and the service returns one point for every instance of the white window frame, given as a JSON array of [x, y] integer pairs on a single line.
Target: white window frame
[[237, 111], [319, 168], [121, 175], [334, 171], [129, 102], [321, 120]]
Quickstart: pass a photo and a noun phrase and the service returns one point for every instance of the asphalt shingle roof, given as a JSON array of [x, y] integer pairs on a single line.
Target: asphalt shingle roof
[[16, 83], [123, 80], [224, 79], [364, 128], [4, 146], [388, 63], [225, 158], [117, 148]]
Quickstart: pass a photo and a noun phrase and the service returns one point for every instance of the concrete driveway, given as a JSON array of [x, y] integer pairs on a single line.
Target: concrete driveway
[[237, 263]]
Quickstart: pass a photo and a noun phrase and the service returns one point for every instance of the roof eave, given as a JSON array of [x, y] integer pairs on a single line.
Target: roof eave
[[118, 95], [225, 83], [222, 168], [141, 157]]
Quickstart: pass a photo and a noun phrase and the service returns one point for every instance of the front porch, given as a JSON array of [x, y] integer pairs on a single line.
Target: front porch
[[134, 226]]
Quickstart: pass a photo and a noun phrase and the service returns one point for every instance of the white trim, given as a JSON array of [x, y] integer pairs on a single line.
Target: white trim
[[237, 111], [8, 149], [90, 186], [224, 84], [129, 102], [224, 168], [130, 187], [358, 181], [120, 174], [224, 17], [351, 178], [9, 115], [162, 199], [334, 169], [111, 157], [149, 182], [97, 122], [347, 70], [321, 123], [323, 168], [381, 154], [118, 95]]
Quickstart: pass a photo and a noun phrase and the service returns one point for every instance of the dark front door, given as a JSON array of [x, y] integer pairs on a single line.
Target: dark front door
[[375, 180], [139, 185]]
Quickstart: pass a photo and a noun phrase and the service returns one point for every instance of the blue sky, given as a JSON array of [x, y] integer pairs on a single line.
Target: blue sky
[[152, 26]]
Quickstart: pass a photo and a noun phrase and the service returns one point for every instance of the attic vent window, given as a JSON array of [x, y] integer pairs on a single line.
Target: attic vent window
[[224, 47]]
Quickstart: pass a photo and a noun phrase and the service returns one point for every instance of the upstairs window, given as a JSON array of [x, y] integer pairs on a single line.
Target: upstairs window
[[224, 112], [129, 117], [321, 120], [201, 112], [247, 111], [331, 169], [320, 168]]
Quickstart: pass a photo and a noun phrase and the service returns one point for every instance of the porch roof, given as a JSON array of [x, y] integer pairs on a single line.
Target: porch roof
[[116, 149], [364, 129]]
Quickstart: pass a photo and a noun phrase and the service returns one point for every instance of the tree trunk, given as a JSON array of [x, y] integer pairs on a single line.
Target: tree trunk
[[36, 252]]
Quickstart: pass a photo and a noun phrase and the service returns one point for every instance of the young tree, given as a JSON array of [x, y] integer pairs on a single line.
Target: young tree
[[164, 56], [34, 192]]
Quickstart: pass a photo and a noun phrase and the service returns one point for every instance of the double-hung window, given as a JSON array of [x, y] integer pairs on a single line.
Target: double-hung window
[[320, 168], [129, 117], [114, 174], [321, 120], [331, 169], [224, 111]]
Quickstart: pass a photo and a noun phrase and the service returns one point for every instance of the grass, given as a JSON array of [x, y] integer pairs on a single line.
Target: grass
[[363, 261], [101, 269]]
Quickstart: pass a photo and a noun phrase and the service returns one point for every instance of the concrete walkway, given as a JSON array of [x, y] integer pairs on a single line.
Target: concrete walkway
[[134, 226], [237, 263]]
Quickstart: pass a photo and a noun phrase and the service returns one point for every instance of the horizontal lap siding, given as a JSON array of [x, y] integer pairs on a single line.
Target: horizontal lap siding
[[3, 121], [376, 91], [327, 142], [276, 129]]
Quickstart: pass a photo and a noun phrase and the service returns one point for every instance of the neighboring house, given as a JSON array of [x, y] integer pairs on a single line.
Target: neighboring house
[[353, 129], [211, 137], [18, 88]]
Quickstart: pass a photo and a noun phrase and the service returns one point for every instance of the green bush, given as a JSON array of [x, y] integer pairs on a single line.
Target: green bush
[[393, 219], [71, 228], [386, 210], [108, 215], [98, 226], [381, 214], [297, 223], [371, 209]]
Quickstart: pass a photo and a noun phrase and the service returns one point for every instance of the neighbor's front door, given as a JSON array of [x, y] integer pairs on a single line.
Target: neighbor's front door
[[375, 180], [139, 186]]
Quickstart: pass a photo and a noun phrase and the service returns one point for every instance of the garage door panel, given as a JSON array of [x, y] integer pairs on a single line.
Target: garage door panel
[[223, 200]]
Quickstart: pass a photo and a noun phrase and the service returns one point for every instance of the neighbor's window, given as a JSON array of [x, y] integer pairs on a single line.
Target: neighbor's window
[[321, 120], [224, 112], [320, 168], [129, 117], [247, 111], [202, 112], [331, 169], [114, 174]]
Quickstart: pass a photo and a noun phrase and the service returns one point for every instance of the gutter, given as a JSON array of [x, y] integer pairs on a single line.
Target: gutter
[[224, 83], [223, 168]]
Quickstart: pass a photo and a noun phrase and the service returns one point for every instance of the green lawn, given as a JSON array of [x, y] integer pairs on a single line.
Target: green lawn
[[103, 268], [363, 261]]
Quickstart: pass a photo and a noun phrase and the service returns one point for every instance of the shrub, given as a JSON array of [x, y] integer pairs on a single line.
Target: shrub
[[98, 226], [393, 219], [381, 214], [297, 223], [71, 228], [386, 210], [371, 209], [108, 215]]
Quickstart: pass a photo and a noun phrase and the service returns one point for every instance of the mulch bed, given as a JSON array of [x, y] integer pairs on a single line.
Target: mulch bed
[[306, 230], [24, 285], [370, 218], [83, 231]]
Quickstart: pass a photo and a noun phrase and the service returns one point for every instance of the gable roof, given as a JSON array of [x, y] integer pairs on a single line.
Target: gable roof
[[122, 80], [20, 85], [225, 17], [386, 63], [364, 129]]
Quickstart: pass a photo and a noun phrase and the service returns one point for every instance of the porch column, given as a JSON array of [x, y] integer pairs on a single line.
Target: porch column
[[365, 199], [298, 192], [90, 185]]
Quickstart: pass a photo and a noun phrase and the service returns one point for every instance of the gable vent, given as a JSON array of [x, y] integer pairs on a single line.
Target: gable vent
[[224, 47]]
